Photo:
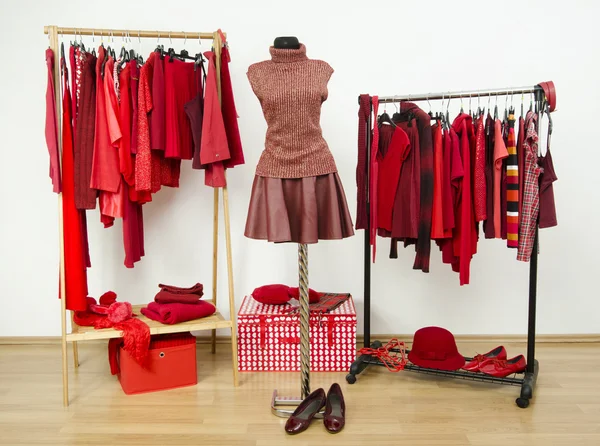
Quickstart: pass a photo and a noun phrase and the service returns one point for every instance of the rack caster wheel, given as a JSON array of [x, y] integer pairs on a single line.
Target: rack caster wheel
[[376, 344], [523, 403], [350, 378]]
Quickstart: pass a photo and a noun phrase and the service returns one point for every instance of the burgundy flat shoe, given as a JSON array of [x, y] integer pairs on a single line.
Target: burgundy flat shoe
[[335, 411], [503, 367], [473, 365], [304, 413]]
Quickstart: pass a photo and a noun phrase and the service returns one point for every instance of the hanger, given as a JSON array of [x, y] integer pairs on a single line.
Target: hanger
[[511, 110], [384, 118], [447, 112], [496, 109], [397, 116]]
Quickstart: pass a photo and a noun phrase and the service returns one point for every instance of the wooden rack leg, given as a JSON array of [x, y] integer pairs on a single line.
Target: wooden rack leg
[[213, 337], [234, 354], [75, 349], [53, 37], [75, 355]]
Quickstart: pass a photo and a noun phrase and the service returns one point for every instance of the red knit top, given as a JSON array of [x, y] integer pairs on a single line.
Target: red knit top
[[291, 89]]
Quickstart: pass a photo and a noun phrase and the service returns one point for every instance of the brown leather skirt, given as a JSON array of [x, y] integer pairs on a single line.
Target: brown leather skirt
[[299, 210]]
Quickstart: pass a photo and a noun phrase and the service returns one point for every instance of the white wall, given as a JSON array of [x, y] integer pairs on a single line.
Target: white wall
[[387, 48]]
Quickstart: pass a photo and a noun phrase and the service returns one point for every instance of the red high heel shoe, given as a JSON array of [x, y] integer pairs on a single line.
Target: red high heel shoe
[[475, 363], [501, 368]]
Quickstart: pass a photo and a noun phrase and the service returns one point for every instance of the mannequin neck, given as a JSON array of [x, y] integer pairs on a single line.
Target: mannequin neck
[[287, 43]]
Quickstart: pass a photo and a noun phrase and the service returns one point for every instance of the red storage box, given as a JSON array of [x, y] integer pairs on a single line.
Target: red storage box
[[269, 338], [171, 364]]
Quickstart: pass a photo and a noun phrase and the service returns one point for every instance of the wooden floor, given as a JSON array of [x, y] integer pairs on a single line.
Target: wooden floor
[[382, 408]]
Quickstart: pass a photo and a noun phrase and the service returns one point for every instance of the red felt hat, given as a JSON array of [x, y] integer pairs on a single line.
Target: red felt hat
[[435, 348]]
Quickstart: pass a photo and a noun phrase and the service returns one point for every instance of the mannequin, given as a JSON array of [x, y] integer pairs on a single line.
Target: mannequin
[[297, 195], [285, 43]]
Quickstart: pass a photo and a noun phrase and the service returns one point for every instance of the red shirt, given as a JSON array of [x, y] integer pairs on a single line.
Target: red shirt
[[390, 164]]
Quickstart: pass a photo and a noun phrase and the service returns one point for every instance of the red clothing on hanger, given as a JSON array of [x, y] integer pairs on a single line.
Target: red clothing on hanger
[[125, 115], [74, 240], [134, 72], [158, 116], [405, 217], [479, 184], [52, 124], [147, 162], [180, 87], [390, 165], [364, 113], [214, 149], [112, 203], [230, 115], [426, 185], [488, 225], [500, 153], [456, 177], [437, 216], [373, 180], [105, 161], [447, 201], [465, 237]]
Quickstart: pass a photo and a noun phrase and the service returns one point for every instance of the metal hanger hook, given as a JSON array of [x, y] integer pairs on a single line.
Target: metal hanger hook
[[170, 40], [428, 103], [448, 104], [184, 39], [93, 38], [158, 39]]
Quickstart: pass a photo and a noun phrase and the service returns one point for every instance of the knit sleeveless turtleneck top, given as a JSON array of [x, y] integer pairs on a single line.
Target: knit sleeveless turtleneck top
[[291, 88]]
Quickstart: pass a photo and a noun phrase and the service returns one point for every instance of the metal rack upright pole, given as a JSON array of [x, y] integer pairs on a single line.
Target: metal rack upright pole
[[367, 244]]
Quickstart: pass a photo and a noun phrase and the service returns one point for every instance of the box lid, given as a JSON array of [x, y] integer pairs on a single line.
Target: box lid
[[252, 308]]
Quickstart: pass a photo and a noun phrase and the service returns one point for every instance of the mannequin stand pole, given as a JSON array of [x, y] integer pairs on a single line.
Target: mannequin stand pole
[[304, 319], [278, 402]]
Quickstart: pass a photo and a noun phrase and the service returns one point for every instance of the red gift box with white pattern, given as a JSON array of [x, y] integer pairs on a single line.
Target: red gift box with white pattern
[[269, 338]]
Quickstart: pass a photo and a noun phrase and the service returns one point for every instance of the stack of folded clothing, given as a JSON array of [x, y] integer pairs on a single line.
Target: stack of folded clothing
[[173, 305]]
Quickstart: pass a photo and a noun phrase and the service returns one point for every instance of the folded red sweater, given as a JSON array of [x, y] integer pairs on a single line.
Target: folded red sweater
[[166, 297], [194, 289], [177, 312]]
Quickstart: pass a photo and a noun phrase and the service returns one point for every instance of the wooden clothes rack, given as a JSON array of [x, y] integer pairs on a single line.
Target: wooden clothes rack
[[525, 380], [213, 322]]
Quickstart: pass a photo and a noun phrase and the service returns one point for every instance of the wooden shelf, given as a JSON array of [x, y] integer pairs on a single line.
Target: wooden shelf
[[206, 323]]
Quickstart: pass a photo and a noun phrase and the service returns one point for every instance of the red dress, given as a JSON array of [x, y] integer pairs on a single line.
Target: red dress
[[390, 163], [73, 237]]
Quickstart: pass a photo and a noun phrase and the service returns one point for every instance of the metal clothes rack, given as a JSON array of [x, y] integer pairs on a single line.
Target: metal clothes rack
[[210, 323], [525, 380]]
